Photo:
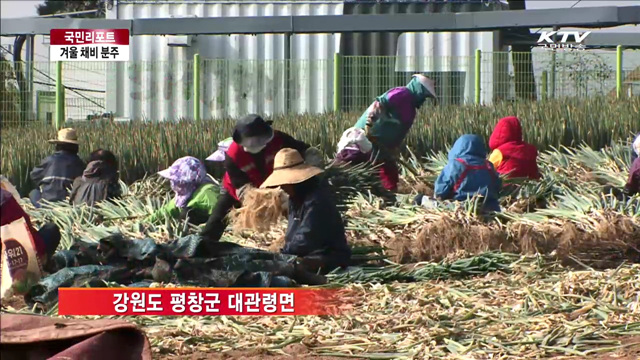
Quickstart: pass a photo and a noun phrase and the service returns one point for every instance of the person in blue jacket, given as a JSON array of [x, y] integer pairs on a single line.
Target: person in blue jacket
[[468, 173], [54, 177]]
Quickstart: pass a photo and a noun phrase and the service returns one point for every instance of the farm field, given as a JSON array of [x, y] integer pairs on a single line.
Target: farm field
[[556, 275]]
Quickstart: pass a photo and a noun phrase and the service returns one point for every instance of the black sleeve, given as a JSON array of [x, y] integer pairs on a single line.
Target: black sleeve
[[238, 177], [289, 142]]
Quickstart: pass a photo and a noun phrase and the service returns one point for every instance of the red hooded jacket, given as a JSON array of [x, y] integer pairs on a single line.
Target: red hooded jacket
[[518, 158]]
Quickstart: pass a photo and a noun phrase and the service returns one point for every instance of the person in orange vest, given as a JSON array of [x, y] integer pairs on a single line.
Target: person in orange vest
[[248, 162]]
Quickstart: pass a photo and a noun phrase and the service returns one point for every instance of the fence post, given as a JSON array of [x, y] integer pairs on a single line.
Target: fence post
[[337, 81], [477, 84], [196, 87], [59, 97], [619, 71], [544, 84]]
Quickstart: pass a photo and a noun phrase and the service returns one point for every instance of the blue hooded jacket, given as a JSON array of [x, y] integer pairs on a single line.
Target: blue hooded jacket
[[460, 181]]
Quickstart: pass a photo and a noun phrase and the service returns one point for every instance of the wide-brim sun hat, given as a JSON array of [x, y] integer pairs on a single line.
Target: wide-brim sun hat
[[428, 84], [252, 128], [66, 136], [289, 168]]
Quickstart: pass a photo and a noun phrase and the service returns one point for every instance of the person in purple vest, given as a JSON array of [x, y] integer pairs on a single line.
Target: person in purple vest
[[388, 120]]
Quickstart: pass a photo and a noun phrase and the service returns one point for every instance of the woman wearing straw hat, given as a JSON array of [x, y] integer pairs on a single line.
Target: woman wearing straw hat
[[387, 122], [248, 161], [315, 230], [55, 175]]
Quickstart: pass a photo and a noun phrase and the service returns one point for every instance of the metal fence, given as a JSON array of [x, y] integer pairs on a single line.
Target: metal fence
[[42, 92]]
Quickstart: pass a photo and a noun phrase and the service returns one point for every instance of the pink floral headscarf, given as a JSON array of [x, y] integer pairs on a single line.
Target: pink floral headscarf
[[186, 175]]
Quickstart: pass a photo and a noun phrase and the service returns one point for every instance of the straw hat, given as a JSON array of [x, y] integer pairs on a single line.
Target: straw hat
[[289, 168], [66, 136]]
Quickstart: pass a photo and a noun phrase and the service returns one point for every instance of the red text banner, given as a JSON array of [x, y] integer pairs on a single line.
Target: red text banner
[[89, 37], [89, 45], [198, 301]]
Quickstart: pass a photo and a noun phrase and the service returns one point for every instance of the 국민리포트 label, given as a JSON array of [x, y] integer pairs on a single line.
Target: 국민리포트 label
[[89, 45]]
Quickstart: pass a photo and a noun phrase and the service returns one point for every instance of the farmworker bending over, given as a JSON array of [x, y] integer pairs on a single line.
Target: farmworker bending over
[[315, 230], [195, 195], [633, 185], [46, 239], [248, 162], [388, 120], [510, 155], [54, 177], [468, 173], [99, 181]]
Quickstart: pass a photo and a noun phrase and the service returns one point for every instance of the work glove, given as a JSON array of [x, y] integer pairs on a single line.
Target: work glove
[[374, 113], [313, 157]]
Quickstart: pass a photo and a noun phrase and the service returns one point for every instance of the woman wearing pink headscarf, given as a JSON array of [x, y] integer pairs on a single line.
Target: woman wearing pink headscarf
[[195, 195]]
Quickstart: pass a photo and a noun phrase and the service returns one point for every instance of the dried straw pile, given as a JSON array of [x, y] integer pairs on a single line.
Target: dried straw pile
[[261, 209]]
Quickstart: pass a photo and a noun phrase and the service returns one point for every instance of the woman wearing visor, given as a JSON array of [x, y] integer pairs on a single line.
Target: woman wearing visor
[[248, 162]]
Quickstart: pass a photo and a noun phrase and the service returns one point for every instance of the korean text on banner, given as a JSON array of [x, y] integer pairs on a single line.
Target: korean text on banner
[[199, 301], [21, 267], [89, 45]]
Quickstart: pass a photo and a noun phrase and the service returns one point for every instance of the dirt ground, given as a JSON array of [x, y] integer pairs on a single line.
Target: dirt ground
[[298, 351], [16, 302], [295, 351]]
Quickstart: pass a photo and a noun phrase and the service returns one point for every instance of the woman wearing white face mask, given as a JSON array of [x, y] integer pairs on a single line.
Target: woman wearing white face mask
[[248, 162]]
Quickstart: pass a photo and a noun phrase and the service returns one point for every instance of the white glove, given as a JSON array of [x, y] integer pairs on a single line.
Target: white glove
[[313, 157], [355, 139]]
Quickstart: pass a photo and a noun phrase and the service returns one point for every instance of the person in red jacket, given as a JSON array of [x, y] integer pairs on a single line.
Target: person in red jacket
[[46, 239], [509, 154], [248, 162]]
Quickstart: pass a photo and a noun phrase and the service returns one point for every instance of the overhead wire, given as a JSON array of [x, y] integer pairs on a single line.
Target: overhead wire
[[74, 90]]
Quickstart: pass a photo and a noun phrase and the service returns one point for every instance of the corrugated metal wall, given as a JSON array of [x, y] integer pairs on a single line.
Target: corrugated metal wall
[[446, 56], [154, 84], [253, 83], [384, 43]]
